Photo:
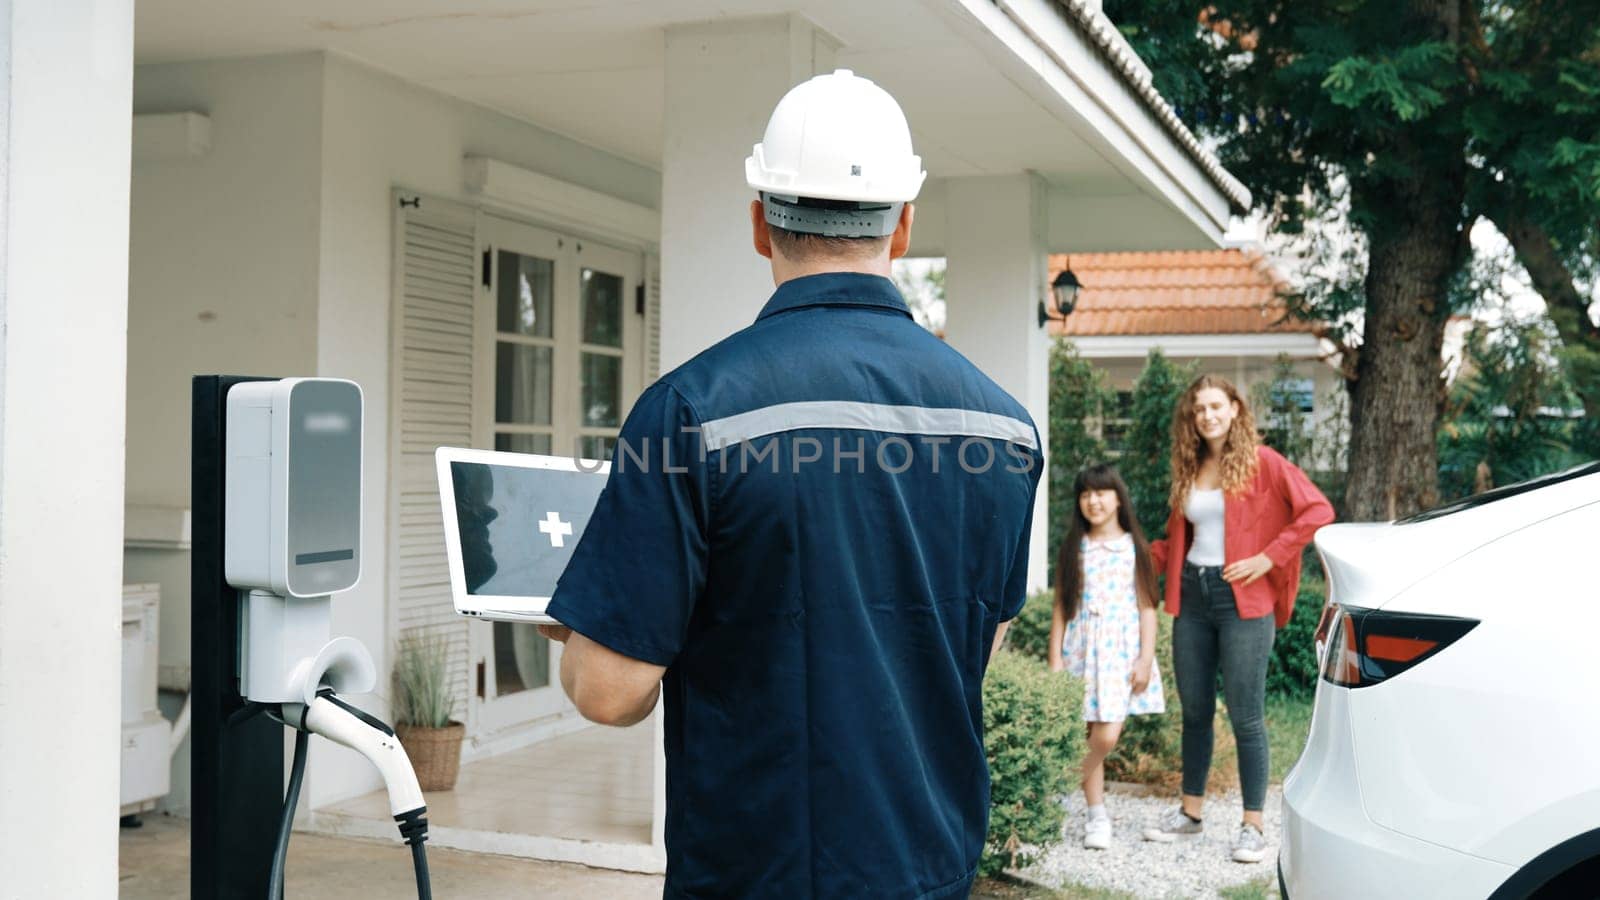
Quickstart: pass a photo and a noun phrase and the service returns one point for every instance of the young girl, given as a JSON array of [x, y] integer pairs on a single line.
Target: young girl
[[1104, 627]]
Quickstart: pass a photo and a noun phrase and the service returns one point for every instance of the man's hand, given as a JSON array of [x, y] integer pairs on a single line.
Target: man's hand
[[1246, 571], [1140, 679], [557, 633]]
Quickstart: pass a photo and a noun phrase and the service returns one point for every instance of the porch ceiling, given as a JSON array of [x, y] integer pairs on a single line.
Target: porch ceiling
[[593, 69]]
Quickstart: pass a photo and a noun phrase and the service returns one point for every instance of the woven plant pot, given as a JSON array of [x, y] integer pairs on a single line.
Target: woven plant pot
[[435, 753]]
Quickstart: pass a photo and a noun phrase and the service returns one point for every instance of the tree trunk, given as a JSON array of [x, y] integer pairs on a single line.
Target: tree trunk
[[1416, 242], [1399, 389]]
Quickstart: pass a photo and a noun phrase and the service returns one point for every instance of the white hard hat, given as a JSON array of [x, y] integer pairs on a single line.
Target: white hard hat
[[836, 137]]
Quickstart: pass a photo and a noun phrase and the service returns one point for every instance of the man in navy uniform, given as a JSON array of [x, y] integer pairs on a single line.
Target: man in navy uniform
[[811, 539]]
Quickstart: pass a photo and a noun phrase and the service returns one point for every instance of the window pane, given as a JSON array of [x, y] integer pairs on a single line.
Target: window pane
[[526, 286], [522, 384], [521, 658], [602, 389], [592, 446], [523, 443], [602, 308]]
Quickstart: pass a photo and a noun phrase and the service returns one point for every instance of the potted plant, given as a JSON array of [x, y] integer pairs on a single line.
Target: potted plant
[[423, 705]]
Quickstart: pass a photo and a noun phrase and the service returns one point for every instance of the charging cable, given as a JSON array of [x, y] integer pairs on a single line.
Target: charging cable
[[366, 734], [291, 799]]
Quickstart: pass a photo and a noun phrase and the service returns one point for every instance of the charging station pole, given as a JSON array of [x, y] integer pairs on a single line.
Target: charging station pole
[[236, 770]]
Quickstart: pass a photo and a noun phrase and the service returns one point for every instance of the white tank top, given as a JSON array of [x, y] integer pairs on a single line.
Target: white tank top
[[1203, 509]]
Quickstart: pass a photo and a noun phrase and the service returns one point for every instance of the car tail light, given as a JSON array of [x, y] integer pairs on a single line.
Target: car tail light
[[1367, 646]]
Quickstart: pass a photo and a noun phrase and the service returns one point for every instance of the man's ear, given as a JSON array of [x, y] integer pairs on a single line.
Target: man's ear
[[760, 234], [900, 241]]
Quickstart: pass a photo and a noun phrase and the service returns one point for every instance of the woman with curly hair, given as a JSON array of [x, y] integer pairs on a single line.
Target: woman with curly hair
[[1240, 515]]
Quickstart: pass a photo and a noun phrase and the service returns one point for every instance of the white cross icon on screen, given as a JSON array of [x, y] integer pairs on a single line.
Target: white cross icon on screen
[[557, 529]]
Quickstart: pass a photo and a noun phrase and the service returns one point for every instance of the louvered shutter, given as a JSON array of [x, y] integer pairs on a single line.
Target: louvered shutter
[[432, 381]]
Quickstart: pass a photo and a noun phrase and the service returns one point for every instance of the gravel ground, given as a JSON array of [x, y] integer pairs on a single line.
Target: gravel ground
[[1191, 867]]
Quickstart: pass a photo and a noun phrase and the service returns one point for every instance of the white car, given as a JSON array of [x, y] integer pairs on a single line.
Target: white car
[[1455, 745]]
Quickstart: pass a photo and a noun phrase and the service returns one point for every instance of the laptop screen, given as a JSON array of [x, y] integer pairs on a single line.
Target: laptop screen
[[519, 525]]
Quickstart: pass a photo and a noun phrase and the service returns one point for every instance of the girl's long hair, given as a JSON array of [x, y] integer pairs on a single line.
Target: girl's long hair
[[1238, 462], [1069, 556]]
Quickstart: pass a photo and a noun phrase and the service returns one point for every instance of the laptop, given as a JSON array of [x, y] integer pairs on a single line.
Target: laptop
[[511, 521]]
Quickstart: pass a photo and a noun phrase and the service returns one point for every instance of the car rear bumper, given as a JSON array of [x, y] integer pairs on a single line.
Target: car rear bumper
[[1331, 849]]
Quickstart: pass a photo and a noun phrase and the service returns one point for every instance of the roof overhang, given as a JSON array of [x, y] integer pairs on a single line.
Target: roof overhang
[[991, 87]]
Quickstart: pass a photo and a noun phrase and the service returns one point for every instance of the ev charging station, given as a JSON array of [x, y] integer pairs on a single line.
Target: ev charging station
[[277, 532]]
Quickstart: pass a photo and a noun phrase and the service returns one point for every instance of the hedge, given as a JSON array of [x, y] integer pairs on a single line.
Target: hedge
[[1293, 670], [1033, 735]]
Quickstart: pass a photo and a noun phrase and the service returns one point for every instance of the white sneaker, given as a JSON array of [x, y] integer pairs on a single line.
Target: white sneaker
[[1172, 826], [1250, 846], [1097, 834]]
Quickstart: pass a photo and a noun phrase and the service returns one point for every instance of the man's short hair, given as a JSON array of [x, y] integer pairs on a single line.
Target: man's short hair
[[800, 247]]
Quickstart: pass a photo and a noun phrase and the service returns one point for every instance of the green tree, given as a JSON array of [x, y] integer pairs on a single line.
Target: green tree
[[1147, 463], [1078, 393], [1279, 417], [1534, 71], [1413, 119], [1508, 417]]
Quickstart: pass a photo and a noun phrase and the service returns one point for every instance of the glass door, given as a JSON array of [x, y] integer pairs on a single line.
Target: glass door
[[561, 349], [610, 342]]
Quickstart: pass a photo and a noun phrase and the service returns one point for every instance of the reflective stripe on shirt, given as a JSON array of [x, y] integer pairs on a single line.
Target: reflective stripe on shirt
[[721, 433]]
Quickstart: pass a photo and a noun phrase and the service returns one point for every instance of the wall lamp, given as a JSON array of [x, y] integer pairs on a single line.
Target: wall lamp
[[1063, 295]]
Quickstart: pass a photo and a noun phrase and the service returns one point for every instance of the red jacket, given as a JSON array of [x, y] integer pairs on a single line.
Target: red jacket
[[1277, 516]]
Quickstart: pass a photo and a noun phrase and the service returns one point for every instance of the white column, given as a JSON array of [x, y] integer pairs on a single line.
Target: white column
[[995, 229], [722, 80], [66, 92]]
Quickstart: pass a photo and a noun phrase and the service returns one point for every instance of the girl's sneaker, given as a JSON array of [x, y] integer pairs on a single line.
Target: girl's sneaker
[[1172, 826], [1250, 846], [1097, 835]]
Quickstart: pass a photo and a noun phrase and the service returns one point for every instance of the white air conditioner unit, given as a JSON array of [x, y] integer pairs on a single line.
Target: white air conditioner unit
[[146, 734]]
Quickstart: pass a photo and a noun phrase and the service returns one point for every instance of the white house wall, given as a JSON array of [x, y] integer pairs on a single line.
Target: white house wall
[[271, 255], [380, 133], [222, 278]]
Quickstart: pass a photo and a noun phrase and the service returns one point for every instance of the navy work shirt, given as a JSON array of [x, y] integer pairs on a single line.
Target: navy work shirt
[[816, 525]]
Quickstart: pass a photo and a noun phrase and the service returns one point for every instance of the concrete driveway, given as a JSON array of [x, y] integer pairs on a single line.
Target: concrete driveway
[[155, 866]]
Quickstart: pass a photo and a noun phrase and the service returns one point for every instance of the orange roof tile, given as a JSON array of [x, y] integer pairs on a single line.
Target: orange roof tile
[[1176, 292]]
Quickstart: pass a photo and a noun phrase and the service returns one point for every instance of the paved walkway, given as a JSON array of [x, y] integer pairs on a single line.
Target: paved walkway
[[155, 866]]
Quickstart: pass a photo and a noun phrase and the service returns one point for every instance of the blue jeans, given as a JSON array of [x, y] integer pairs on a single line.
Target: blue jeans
[[1209, 634]]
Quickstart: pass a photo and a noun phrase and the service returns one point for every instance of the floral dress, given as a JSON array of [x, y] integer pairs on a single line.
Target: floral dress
[[1102, 643]]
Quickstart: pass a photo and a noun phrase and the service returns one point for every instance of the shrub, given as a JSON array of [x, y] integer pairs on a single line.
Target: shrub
[[1292, 671], [1077, 393], [1030, 630], [1033, 736]]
